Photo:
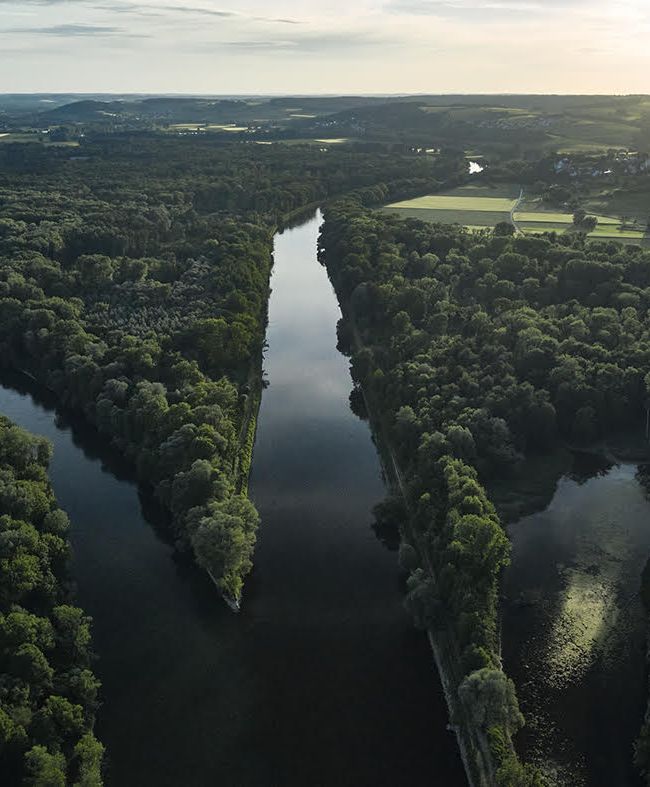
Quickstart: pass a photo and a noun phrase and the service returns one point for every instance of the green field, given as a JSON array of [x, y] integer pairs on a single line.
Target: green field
[[615, 232], [536, 221], [312, 141], [24, 137], [475, 206], [611, 230], [19, 136], [542, 226], [232, 127], [481, 207], [206, 127], [475, 218], [557, 218], [633, 203], [456, 203]]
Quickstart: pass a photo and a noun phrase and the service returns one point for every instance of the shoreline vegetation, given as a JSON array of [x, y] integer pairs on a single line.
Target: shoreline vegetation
[[139, 297], [48, 692], [489, 759], [473, 353]]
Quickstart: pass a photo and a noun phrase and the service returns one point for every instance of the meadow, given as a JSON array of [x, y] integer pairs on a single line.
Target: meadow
[[533, 218], [480, 207], [476, 206]]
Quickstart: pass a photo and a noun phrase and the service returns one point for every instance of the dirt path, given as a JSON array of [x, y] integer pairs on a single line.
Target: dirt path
[[515, 207]]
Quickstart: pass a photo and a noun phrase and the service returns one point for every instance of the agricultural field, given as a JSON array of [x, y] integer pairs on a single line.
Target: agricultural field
[[311, 141], [202, 127], [19, 136], [32, 137], [632, 202], [476, 206], [481, 207], [534, 219]]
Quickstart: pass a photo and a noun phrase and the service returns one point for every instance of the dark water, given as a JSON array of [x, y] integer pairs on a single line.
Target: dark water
[[320, 680], [574, 625]]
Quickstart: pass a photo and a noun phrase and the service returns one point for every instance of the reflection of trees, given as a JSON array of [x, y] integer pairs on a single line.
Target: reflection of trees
[[588, 465], [93, 447], [389, 515], [643, 477]]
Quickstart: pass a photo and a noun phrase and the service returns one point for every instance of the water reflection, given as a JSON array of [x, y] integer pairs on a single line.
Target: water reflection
[[574, 628]]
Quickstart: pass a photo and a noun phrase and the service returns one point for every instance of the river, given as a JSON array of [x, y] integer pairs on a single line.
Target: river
[[321, 679], [574, 627]]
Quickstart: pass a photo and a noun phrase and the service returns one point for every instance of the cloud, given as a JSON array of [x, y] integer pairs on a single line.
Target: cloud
[[75, 31], [42, 2], [312, 43], [435, 7], [201, 11], [155, 9], [475, 9]]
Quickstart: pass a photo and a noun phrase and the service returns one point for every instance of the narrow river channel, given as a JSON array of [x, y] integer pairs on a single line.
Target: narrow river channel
[[320, 680]]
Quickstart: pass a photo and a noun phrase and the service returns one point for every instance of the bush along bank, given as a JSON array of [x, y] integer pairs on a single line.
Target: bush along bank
[[48, 692], [475, 350]]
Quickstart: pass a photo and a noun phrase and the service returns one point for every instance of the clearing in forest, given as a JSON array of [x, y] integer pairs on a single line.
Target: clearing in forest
[[479, 206]]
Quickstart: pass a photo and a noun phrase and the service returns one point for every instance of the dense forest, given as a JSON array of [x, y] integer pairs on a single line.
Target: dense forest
[[134, 283], [48, 693], [474, 350]]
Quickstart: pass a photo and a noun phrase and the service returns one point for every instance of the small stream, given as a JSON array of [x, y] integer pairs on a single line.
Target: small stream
[[321, 679], [574, 626]]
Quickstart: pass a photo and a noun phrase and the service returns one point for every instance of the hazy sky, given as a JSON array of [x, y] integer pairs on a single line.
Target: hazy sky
[[334, 46]]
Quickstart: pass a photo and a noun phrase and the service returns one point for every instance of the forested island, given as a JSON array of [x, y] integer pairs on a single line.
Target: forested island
[[48, 693]]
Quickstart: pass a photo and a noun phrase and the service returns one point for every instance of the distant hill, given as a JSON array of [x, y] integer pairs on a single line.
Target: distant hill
[[505, 125]]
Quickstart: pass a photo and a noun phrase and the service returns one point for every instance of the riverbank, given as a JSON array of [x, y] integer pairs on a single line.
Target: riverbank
[[475, 746]]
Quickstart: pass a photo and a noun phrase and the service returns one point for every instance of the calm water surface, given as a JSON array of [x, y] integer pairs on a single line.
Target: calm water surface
[[574, 626], [320, 680]]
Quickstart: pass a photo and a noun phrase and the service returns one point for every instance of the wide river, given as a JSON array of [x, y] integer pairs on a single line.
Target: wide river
[[321, 679]]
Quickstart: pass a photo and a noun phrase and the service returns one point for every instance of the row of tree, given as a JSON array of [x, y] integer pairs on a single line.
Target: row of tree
[[48, 692]]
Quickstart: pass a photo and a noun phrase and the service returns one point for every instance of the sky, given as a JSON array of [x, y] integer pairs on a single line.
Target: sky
[[333, 46]]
